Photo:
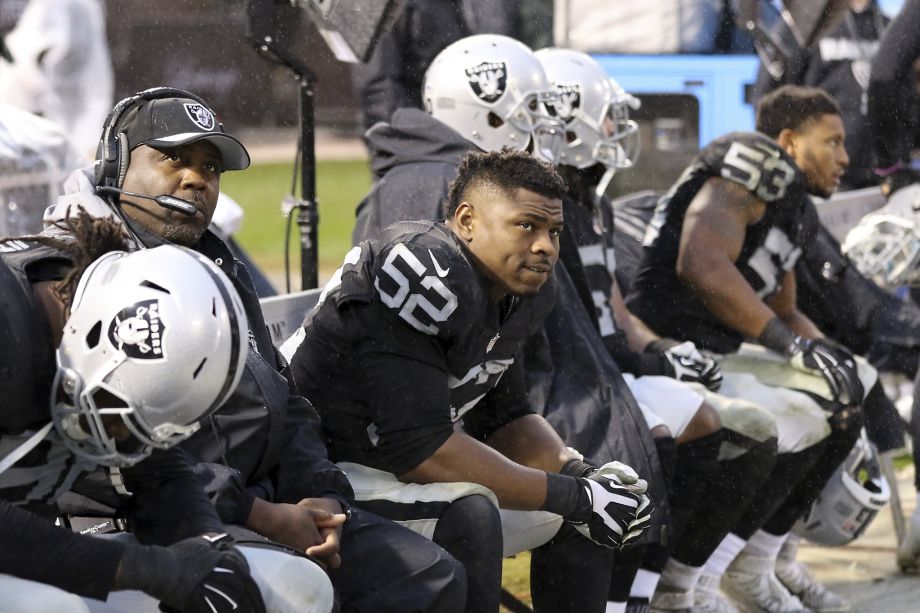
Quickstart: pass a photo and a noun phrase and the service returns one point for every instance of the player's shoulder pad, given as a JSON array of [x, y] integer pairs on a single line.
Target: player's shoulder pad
[[754, 161], [422, 272]]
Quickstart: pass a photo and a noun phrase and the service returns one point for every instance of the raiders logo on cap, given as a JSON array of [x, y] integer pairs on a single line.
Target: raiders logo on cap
[[488, 80], [200, 116], [138, 331], [569, 101]]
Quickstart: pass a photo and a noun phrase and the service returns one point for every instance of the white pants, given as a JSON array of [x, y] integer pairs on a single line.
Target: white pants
[[664, 401], [766, 379], [521, 530], [289, 584]]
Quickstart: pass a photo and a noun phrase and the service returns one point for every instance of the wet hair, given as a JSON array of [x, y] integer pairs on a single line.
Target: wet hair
[[791, 107], [93, 237], [505, 170]]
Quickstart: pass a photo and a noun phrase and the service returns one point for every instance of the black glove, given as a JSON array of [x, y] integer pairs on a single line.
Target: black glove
[[833, 362], [684, 362], [195, 575]]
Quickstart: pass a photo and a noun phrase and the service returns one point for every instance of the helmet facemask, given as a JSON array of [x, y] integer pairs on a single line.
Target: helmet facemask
[[595, 111]]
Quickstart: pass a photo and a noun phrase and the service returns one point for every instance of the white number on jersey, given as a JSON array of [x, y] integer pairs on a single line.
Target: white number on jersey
[[412, 301], [777, 253], [748, 166]]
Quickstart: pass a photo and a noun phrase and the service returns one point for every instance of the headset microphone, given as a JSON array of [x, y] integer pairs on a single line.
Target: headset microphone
[[167, 202]]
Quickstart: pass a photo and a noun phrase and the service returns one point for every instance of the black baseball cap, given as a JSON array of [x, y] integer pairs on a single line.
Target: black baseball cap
[[170, 122]]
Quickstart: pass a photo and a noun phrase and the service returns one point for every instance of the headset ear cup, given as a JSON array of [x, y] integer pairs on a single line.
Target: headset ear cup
[[123, 158]]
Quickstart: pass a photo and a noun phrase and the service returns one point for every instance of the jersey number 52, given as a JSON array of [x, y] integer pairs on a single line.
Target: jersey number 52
[[409, 301]]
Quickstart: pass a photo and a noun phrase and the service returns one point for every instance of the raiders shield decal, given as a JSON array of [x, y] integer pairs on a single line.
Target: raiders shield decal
[[488, 80], [138, 331], [200, 116], [569, 101]]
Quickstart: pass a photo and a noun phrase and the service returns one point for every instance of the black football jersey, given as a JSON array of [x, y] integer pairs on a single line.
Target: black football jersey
[[406, 342], [770, 249], [592, 230]]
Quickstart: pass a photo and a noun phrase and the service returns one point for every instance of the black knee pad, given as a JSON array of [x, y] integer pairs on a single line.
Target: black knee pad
[[472, 518], [697, 465], [667, 456]]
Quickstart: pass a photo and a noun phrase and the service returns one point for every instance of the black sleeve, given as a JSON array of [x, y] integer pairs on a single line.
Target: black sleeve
[[227, 490], [504, 403], [168, 502], [35, 549], [304, 468], [891, 85], [378, 84]]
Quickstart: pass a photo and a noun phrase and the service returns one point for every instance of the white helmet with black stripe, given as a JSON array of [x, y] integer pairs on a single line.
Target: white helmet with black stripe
[[156, 340], [595, 110], [493, 91]]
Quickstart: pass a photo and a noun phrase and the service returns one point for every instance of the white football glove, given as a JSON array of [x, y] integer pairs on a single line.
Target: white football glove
[[633, 483], [692, 366], [614, 505]]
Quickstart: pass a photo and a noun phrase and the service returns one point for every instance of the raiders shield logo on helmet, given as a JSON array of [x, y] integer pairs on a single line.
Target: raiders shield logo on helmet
[[200, 116], [138, 331], [569, 101], [488, 80]]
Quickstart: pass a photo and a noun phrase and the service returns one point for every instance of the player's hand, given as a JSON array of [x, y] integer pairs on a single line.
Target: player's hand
[[227, 588], [834, 363], [298, 526], [202, 574], [613, 509], [328, 516], [688, 364], [633, 483]]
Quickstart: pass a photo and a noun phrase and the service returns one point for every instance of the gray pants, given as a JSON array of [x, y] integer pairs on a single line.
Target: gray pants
[[289, 584]]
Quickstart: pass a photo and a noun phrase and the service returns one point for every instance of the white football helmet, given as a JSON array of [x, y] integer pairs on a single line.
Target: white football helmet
[[492, 90], [849, 501], [156, 340], [886, 248], [595, 110]]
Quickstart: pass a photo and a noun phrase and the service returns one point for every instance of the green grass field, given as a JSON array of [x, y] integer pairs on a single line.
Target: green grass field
[[260, 189]]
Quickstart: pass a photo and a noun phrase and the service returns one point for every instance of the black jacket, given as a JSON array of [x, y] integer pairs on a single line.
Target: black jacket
[[265, 440], [393, 77], [417, 157], [839, 63]]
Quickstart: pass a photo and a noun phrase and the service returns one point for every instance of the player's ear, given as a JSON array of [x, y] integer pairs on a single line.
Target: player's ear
[[787, 139], [464, 220]]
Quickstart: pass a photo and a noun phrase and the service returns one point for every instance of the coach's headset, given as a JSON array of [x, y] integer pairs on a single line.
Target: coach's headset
[[113, 155]]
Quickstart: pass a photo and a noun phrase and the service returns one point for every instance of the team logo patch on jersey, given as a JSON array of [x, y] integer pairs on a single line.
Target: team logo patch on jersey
[[488, 80], [200, 116], [138, 331], [569, 101]]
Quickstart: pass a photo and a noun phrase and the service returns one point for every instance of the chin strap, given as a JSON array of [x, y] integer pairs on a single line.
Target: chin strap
[[601, 190], [20, 452]]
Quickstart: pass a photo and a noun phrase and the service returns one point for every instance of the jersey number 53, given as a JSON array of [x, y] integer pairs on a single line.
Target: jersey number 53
[[763, 173]]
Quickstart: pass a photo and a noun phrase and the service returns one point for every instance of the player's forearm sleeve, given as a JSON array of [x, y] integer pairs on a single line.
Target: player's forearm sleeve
[[33, 548]]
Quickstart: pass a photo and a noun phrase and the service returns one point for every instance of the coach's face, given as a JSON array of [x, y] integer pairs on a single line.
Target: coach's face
[[818, 150], [191, 172], [513, 236]]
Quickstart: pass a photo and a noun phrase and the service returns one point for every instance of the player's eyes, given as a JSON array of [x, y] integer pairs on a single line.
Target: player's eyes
[[555, 231], [526, 225]]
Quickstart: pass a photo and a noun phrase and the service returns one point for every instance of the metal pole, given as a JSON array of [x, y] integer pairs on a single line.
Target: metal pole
[[307, 209]]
